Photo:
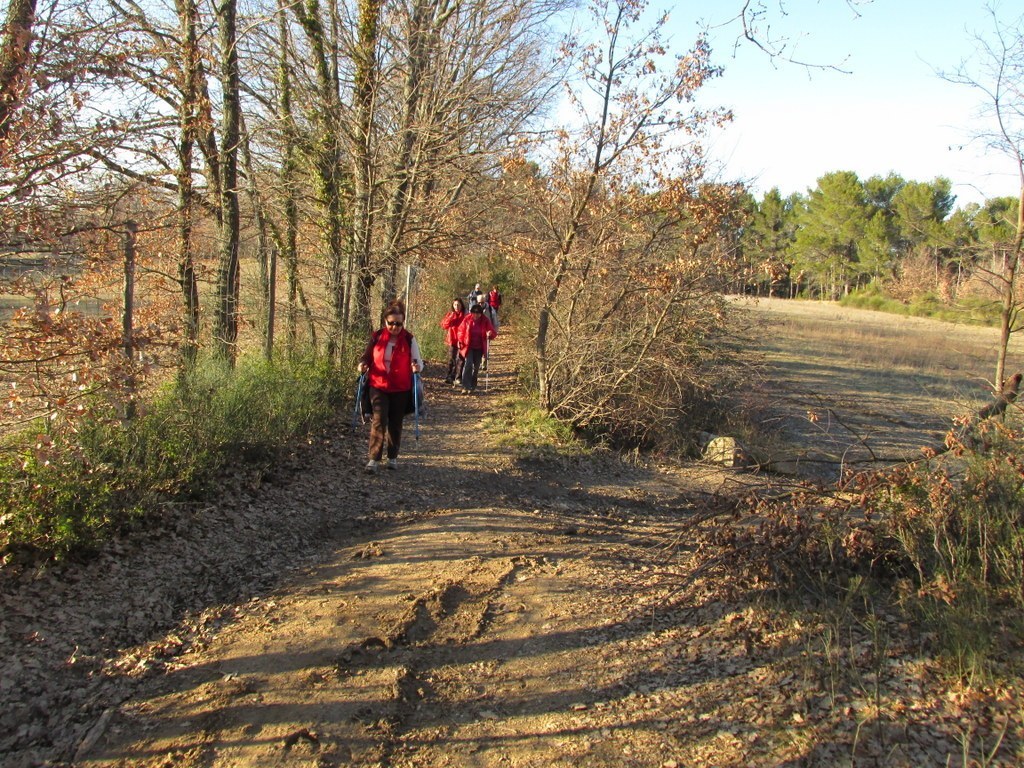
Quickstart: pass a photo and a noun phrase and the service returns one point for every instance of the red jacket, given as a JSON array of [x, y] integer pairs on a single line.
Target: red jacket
[[473, 332], [450, 323], [494, 298], [399, 378]]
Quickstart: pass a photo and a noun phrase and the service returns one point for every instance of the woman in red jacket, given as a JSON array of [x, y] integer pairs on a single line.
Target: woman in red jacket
[[390, 360], [474, 333], [450, 322]]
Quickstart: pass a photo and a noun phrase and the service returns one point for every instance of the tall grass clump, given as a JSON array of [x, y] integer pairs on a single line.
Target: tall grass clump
[[940, 542], [962, 539], [65, 494], [527, 432], [249, 409]]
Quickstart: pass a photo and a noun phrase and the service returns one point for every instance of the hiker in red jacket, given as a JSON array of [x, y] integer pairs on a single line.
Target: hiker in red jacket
[[491, 305], [474, 334], [450, 322], [494, 298], [390, 360]]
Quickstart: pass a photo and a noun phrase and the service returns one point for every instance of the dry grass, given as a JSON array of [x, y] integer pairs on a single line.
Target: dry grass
[[875, 339], [845, 387]]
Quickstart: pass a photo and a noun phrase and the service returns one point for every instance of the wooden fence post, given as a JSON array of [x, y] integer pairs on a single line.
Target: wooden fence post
[[127, 319]]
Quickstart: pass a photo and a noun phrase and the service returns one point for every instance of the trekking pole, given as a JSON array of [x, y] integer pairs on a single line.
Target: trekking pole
[[358, 410], [416, 401], [487, 365]]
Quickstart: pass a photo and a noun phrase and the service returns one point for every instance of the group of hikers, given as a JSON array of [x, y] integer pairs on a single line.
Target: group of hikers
[[391, 363], [468, 335]]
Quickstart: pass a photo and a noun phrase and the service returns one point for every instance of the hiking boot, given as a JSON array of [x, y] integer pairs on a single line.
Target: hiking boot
[[392, 463], [371, 467]]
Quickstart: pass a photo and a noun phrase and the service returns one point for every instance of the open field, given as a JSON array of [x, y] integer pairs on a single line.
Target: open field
[[844, 387]]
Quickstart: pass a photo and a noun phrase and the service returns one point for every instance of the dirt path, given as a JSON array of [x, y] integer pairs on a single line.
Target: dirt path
[[466, 610], [491, 621]]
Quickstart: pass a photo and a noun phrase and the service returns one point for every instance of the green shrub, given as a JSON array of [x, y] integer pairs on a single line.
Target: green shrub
[[944, 542], [969, 309], [926, 305], [962, 539], [528, 432], [255, 405], [966, 533], [64, 496], [57, 503], [978, 311]]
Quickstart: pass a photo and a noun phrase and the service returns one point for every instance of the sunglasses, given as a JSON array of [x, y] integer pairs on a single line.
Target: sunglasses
[[391, 324]]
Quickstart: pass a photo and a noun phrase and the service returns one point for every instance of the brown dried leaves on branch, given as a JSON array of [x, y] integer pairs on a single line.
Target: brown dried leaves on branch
[[65, 358]]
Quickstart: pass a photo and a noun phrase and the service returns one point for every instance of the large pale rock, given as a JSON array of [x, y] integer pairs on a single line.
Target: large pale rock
[[727, 451]]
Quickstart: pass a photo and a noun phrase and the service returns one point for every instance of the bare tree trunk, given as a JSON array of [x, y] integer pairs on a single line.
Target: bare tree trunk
[[226, 326], [14, 52], [1003, 399], [188, 23], [326, 161], [362, 155], [128, 317], [265, 251], [268, 341], [543, 325], [1010, 308], [288, 173], [336, 266]]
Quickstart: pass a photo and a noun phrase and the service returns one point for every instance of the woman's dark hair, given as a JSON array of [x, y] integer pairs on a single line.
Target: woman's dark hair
[[462, 304], [479, 308], [396, 307]]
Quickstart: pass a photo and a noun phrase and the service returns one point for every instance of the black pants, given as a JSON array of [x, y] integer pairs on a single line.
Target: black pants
[[386, 425], [454, 364], [471, 369]]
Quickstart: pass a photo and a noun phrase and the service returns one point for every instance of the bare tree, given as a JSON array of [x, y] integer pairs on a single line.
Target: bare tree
[[227, 306], [325, 150], [54, 79], [287, 240], [362, 140], [449, 85], [191, 72], [997, 73], [619, 216]]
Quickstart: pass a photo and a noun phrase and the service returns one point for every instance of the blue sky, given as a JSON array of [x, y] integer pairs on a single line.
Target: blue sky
[[891, 113]]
